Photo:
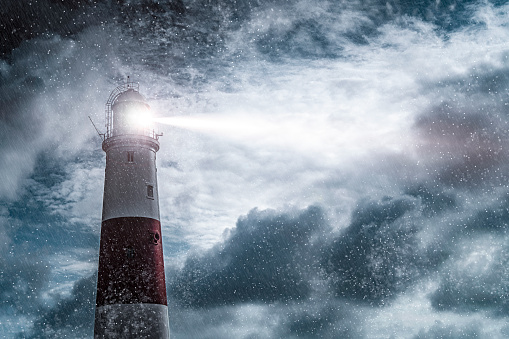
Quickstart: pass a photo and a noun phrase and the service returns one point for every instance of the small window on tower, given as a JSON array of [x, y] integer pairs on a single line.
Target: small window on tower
[[150, 191], [129, 251], [130, 156]]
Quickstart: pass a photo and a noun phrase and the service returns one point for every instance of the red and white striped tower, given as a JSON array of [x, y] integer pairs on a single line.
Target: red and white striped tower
[[131, 292]]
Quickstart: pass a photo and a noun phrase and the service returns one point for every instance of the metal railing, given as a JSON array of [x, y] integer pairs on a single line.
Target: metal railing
[[129, 85], [147, 132]]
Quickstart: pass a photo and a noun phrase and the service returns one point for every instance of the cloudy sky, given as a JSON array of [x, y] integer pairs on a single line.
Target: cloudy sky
[[329, 169]]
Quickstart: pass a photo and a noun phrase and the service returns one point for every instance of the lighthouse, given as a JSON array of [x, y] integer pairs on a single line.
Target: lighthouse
[[131, 292]]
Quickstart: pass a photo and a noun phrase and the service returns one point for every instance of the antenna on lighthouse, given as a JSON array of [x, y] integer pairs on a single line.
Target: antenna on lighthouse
[[101, 135]]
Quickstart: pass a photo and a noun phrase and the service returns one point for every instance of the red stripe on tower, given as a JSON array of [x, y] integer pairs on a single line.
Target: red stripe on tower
[[131, 291], [133, 255]]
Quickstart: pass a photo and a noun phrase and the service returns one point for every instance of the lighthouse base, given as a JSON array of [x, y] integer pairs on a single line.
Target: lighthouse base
[[131, 321]]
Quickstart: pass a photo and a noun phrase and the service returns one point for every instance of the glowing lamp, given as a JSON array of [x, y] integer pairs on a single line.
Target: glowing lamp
[[131, 114], [140, 117]]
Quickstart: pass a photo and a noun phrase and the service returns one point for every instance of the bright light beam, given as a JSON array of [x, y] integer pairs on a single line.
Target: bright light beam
[[304, 133]]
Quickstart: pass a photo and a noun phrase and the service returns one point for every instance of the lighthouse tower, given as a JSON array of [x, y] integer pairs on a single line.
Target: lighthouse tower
[[131, 292]]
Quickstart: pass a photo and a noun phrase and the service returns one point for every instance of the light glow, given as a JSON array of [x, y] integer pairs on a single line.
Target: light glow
[[140, 118], [306, 133]]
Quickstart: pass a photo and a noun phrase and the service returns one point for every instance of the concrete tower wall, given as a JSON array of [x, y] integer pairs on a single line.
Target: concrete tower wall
[[130, 187]]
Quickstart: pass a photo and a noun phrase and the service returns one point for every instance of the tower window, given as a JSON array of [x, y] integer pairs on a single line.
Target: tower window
[[150, 191], [130, 156], [130, 253]]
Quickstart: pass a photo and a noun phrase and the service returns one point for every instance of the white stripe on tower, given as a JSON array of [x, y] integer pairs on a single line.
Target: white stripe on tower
[[131, 292]]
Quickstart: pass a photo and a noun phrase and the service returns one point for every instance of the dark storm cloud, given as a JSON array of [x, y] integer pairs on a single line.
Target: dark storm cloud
[[463, 146], [33, 221], [493, 218], [310, 37], [199, 28], [47, 88], [310, 324], [25, 20], [443, 331], [13, 95], [433, 199], [472, 296], [22, 280], [484, 81], [31, 236], [477, 275], [262, 260], [317, 318], [72, 316], [326, 321], [180, 34], [305, 38], [270, 257], [377, 256], [13, 117], [447, 15], [463, 139], [488, 81], [24, 273]]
